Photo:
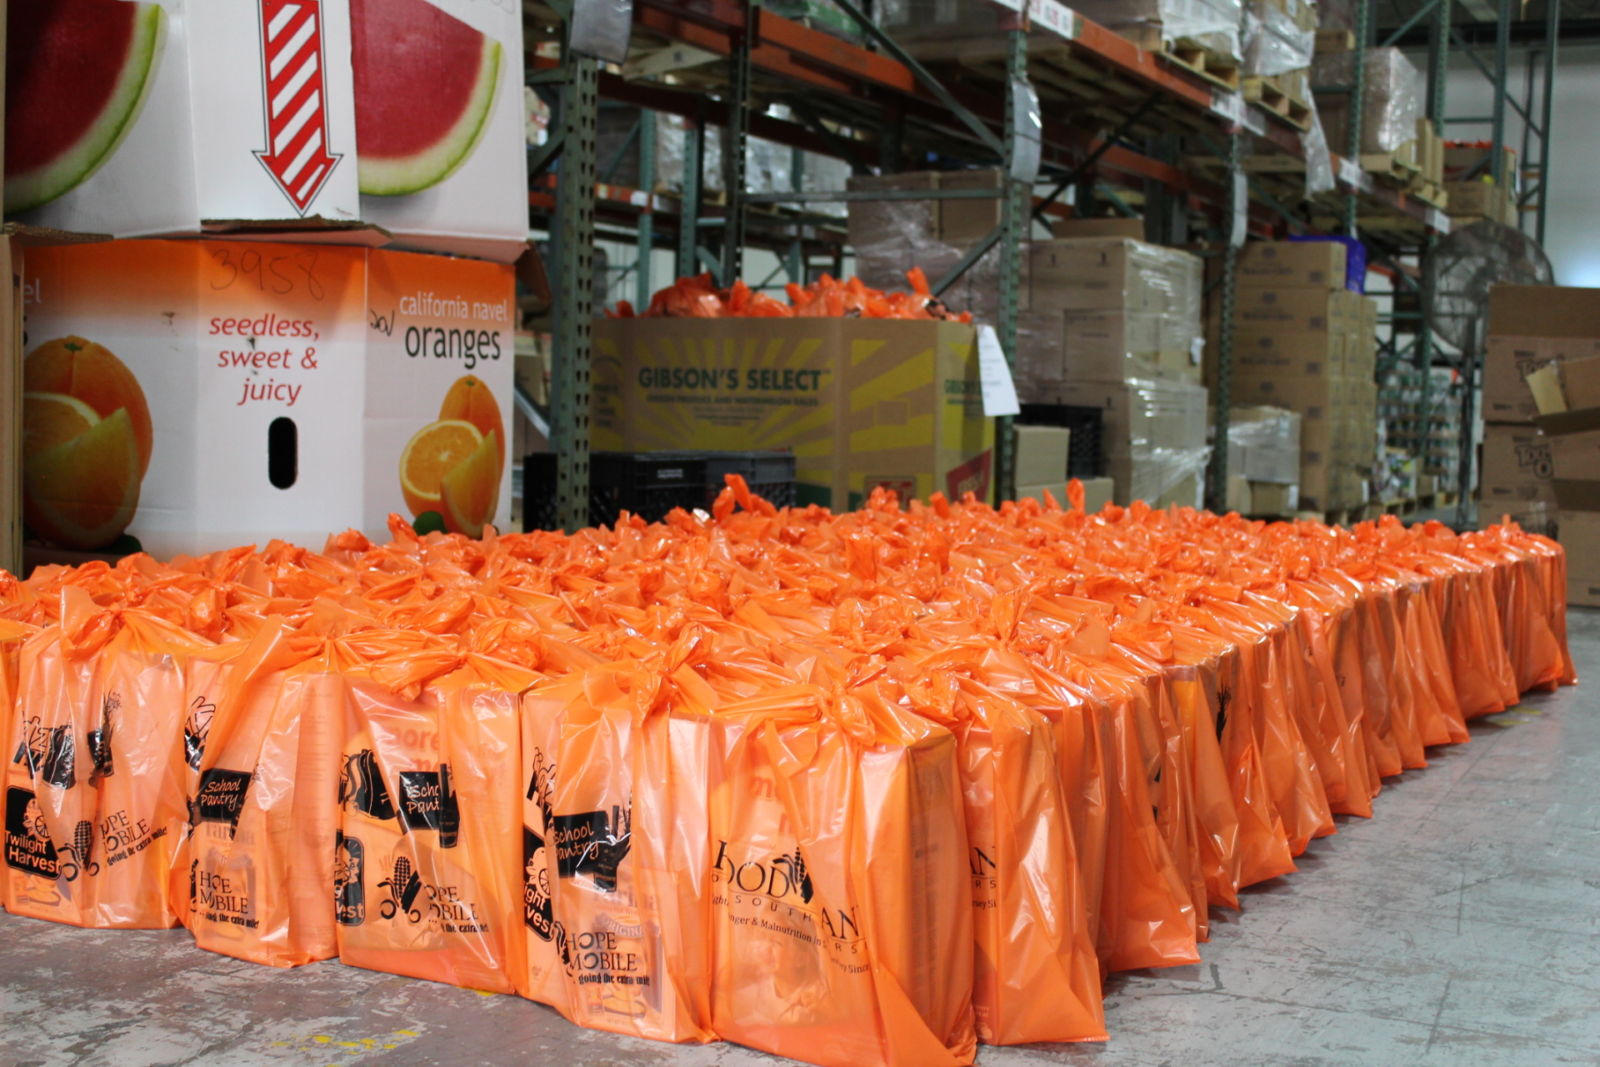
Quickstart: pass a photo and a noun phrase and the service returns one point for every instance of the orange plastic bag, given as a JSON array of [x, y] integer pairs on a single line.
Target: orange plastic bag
[[614, 906], [428, 827], [252, 877], [93, 802]]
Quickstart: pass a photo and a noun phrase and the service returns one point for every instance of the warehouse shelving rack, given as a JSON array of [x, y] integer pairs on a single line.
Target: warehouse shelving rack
[[1113, 117]]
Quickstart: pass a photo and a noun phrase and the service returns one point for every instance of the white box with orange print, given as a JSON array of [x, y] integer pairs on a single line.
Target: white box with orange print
[[186, 396], [149, 117]]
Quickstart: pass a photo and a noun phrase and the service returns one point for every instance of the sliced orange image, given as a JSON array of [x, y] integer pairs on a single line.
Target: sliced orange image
[[75, 367], [472, 401], [82, 492], [50, 419], [430, 454], [470, 491]]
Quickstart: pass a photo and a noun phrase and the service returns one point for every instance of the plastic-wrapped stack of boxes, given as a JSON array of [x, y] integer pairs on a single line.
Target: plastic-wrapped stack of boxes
[[1304, 342], [1113, 323], [1264, 461], [1529, 327]]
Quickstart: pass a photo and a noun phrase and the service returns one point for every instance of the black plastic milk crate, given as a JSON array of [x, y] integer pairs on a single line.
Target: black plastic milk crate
[[1086, 456], [769, 475], [648, 484]]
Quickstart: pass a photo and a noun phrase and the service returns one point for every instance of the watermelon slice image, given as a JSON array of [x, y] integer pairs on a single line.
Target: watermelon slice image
[[425, 84], [76, 73]]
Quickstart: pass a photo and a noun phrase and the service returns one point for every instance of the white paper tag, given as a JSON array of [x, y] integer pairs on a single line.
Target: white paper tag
[[1253, 120], [1229, 105], [1241, 210], [994, 376], [1437, 219], [1350, 172], [1197, 351], [1055, 17]]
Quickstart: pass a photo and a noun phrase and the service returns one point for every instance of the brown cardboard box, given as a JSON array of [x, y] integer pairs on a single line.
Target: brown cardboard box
[[1544, 311], [1288, 264], [1270, 499], [1041, 454], [964, 222], [1296, 309], [1509, 359], [1567, 394], [1238, 498], [1579, 534], [1110, 273], [1479, 200], [861, 402], [1069, 228], [1145, 413], [1575, 469], [1516, 471], [1309, 353]]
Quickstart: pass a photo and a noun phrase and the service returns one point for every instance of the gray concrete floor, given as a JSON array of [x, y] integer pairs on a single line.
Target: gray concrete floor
[[1457, 927]]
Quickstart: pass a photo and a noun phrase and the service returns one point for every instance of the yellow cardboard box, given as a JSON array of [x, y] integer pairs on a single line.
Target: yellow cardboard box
[[860, 402]]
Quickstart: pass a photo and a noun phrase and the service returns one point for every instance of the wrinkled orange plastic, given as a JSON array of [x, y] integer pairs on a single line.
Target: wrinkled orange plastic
[[698, 297], [857, 789]]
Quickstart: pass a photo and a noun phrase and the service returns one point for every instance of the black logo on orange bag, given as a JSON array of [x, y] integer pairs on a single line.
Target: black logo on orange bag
[[592, 843], [428, 802], [404, 885], [349, 880], [100, 740], [196, 725], [361, 786], [220, 797], [28, 844], [60, 765], [538, 909]]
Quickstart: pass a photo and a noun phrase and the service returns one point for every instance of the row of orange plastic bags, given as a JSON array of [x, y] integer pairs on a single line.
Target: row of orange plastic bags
[[860, 788], [698, 297]]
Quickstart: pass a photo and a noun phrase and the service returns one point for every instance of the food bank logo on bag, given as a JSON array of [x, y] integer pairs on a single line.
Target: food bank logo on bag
[[196, 725], [28, 844], [349, 880], [361, 786], [428, 802], [589, 843], [220, 798], [773, 892], [48, 752], [295, 95]]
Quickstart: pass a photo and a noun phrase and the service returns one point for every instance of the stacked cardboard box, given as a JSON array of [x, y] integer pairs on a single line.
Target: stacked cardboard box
[[1568, 398], [1469, 179], [1114, 323], [1530, 326], [1303, 342], [1041, 467]]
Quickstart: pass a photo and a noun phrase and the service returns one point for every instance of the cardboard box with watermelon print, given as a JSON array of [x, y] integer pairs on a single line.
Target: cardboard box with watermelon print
[[185, 396], [351, 121]]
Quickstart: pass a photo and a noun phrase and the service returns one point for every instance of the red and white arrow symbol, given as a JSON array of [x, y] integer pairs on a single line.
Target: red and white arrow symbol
[[296, 99]]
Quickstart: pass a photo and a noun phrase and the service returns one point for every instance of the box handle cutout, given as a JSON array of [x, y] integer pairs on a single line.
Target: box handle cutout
[[283, 452]]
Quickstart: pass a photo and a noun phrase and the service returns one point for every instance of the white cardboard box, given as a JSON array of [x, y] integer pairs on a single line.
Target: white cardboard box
[[281, 384], [227, 116]]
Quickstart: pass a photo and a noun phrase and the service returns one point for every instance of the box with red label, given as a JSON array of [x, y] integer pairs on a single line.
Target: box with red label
[[186, 396], [860, 402], [367, 120]]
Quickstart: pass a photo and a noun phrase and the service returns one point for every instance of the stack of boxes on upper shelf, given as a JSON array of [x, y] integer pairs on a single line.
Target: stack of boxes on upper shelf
[[1529, 327], [1305, 342], [1469, 179], [311, 357]]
